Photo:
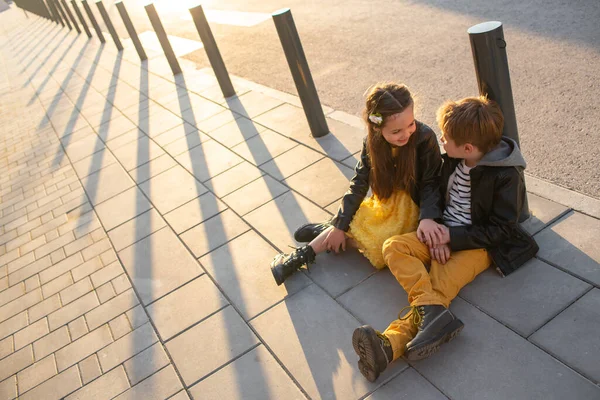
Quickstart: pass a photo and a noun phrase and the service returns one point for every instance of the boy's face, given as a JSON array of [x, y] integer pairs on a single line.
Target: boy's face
[[453, 150], [399, 127]]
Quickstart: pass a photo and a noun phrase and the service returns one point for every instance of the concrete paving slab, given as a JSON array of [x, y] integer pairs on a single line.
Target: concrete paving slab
[[117, 125], [91, 164], [215, 93], [264, 147], [122, 207], [237, 131], [194, 212], [543, 212], [233, 179], [286, 119], [325, 366], [254, 194], [152, 168], [171, 189], [323, 182], [149, 264], [186, 306], [82, 148], [208, 160], [241, 269], [490, 361], [526, 299], [193, 108], [572, 335], [122, 140], [136, 229], [216, 121], [291, 162], [106, 183], [138, 152], [196, 357], [255, 375], [278, 219], [571, 244], [408, 385], [252, 104]]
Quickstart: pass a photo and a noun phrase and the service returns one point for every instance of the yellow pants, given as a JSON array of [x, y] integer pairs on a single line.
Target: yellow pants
[[407, 257]]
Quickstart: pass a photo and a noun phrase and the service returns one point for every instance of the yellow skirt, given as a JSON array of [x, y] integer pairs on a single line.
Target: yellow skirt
[[376, 221]]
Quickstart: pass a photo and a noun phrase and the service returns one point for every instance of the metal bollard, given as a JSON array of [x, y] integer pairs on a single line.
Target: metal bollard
[[81, 20], [109, 25], [93, 21], [292, 47], [62, 14], [71, 17], [212, 51], [131, 30], [162, 38], [493, 77], [55, 12]]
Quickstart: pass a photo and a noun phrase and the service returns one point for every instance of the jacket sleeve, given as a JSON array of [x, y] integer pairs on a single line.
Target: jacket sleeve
[[503, 218], [359, 186], [430, 165]]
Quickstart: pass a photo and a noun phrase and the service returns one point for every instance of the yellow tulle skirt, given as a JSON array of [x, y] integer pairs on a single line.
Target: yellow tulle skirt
[[376, 221]]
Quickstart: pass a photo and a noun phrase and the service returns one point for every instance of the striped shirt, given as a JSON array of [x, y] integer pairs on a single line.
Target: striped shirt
[[458, 198]]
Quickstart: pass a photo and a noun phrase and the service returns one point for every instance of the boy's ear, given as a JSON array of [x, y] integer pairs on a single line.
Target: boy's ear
[[469, 148]]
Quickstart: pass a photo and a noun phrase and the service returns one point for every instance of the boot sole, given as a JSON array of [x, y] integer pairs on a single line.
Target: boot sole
[[276, 276], [428, 348], [364, 348]]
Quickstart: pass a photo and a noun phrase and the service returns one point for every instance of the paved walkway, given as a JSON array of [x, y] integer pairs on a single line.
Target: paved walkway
[[138, 215]]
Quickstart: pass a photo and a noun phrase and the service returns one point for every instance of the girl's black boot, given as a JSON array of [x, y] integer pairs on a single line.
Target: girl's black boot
[[284, 265]]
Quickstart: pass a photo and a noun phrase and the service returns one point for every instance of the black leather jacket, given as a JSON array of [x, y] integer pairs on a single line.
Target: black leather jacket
[[497, 198], [425, 194]]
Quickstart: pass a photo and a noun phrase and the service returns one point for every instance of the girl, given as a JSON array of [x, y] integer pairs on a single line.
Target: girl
[[400, 161]]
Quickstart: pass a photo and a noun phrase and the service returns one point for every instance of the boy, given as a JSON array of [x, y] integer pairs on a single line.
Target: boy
[[483, 188]]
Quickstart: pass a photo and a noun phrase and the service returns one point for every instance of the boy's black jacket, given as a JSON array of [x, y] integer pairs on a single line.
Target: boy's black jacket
[[497, 198]]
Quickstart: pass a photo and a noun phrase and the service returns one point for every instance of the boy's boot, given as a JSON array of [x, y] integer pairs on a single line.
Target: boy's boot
[[436, 326], [284, 265], [374, 350], [307, 232]]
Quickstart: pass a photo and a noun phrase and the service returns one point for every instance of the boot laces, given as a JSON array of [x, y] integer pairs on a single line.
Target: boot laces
[[415, 313], [298, 255]]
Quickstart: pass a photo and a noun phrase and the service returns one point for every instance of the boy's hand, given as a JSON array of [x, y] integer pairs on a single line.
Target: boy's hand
[[335, 239], [445, 234], [440, 253], [430, 232]]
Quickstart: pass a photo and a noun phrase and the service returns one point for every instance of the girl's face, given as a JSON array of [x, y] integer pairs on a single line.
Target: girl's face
[[399, 127]]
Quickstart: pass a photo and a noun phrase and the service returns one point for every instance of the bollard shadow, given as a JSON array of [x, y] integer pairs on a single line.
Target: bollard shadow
[[42, 48], [33, 40], [45, 60]]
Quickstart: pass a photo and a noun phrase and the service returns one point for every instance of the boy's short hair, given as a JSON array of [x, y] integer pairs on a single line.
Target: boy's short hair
[[475, 120]]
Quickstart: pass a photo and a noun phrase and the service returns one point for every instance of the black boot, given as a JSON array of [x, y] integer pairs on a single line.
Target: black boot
[[307, 232], [284, 265], [374, 350], [437, 325]]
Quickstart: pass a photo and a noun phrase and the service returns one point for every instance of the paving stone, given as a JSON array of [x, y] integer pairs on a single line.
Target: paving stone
[[543, 211], [112, 308], [195, 357], [194, 108], [172, 188], [262, 378], [105, 293], [319, 357], [214, 232], [210, 124], [20, 304], [87, 268], [104, 388], [106, 183], [93, 163], [30, 246], [12, 293], [149, 265], [44, 308], [32, 283], [76, 290], [185, 306], [56, 387], [50, 343], [138, 152], [52, 235], [323, 182], [236, 131], [78, 328], [89, 369], [137, 317], [278, 219], [83, 347], [73, 310], [254, 194], [481, 351], [31, 333], [3, 282], [121, 283], [526, 299], [136, 229], [78, 245], [6, 347], [127, 347], [208, 160], [8, 388], [291, 162], [146, 363], [252, 104], [106, 274], [57, 285], [118, 125], [10, 256], [264, 147], [409, 384], [15, 362], [82, 148], [158, 121], [564, 245], [152, 168], [159, 386], [180, 133], [119, 326], [117, 143], [54, 244], [18, 241], [36, 374], [194, 212], [241, 274], [63, 267], [571, 337], [96, 249], [233, 179], [186, 143]]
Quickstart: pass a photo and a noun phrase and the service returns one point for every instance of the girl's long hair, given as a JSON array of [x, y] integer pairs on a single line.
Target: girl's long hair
[[390, 169]]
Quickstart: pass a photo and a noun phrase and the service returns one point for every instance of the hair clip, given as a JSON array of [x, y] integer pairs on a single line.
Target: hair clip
[[376, 118]]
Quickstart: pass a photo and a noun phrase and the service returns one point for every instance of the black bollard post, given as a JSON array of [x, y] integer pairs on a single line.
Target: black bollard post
[[109, 25], [493, 77], [93, 21], [212, 51], [62, 14], [131, 30], [292, 47], [71, 17], [81, 19], [162, 38]]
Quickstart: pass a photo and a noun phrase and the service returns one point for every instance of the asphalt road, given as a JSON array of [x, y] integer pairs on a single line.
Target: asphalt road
[[553, 51]]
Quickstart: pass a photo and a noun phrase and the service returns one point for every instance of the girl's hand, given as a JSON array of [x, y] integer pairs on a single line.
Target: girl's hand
[[430, 232], [440, 253], [335, 239]]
